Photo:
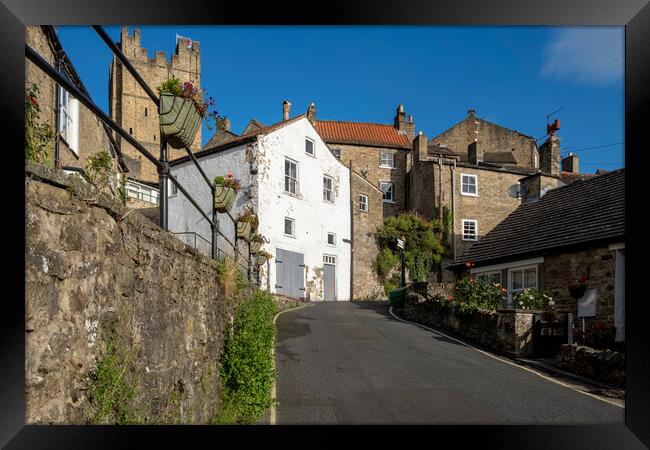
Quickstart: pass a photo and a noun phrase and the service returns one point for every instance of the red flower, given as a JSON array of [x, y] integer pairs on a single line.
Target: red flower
[[33, 100], [450, 297]]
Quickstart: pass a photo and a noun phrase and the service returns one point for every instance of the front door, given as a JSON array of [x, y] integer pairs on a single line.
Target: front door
[[329, 278], [290, 273]]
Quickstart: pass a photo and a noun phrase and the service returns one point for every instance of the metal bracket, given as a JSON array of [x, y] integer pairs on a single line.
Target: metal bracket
[[164, 169]]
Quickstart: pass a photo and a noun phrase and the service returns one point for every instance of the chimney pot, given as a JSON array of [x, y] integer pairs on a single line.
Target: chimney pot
[[471, 113], [286, 110]]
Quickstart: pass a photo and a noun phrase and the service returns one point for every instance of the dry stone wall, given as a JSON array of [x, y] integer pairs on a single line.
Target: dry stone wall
[[109, 294]]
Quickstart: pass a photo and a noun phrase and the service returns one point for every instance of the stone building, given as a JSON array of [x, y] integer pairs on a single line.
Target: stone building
[[79, 133], [572, 230], [132, 108]]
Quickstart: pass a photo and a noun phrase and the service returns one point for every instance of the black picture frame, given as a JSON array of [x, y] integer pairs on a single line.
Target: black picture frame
[[633, 14]]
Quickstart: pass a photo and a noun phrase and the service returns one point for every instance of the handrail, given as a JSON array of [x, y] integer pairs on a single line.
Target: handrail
[[126, 63]]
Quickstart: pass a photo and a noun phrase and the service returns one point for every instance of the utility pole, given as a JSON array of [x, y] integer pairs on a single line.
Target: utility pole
[[400, 245]]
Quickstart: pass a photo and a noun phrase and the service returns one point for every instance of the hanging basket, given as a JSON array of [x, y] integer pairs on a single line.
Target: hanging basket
[[578, 290], [243, 230], [179, 120], [255, 247], [261, 260], [224, 198]]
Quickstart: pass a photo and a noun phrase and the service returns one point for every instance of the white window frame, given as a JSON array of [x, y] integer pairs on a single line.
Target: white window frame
[[329, 259], [490, 273], [313, 147], [328, 239], [521, 269], [392, 199], [463, 229], [329, 191], [392, 160], [141, 192], [462, 185], [293, 227], [69, 120], [296, 185], [363, 205]]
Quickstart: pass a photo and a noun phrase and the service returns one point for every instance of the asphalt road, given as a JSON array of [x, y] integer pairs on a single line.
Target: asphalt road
[[353, 363]]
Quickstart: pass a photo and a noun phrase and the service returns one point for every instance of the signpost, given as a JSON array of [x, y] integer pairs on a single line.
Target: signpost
[[400, 245]]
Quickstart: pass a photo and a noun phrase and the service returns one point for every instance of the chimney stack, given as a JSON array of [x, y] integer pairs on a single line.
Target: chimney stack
[[419, 147], [311, 113], [474, 152], [286, 110], [226, 124], [404, 124], [471, 113], [549, 156], [570, 163]]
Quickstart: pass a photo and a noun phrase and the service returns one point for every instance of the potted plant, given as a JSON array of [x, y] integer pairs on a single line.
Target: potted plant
[[577, 286], [262, 257], [246, 223], [225, 192], [256, 242], [182, 108]]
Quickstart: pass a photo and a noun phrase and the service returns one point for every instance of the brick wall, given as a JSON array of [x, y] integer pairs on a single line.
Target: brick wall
[[134, 110]]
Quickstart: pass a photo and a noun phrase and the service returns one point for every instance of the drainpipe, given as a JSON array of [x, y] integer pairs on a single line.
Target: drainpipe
[[452, 169], [440, 205], [351, 234], [57, 113]]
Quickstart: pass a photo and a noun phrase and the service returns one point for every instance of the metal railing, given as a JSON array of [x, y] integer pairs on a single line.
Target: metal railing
[[161, 163]]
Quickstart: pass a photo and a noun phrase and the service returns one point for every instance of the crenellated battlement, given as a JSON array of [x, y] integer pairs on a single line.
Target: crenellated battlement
[[184, 58]]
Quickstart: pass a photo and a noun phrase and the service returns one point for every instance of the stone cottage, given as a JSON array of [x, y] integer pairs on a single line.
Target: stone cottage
[[301, 193], [571, 230]]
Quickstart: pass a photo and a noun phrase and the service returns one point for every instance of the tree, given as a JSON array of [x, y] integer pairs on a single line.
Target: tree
[[423, 250]]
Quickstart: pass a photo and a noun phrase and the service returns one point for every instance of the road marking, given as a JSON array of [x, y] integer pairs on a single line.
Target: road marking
[[272, 418], [506, 361]]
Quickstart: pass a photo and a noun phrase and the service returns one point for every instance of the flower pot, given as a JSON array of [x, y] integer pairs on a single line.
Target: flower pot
[[243, 230], [224, 198], [577, 291], [255, 247], [179, 120]]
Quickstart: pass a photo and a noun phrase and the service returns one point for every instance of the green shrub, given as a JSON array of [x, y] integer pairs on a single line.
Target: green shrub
[[99, 168], [247, 372], [479, 293], [385, 262], [533, 299], [389, 286]]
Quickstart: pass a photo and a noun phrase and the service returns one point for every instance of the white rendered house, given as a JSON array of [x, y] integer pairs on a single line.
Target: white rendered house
[[301, 193]]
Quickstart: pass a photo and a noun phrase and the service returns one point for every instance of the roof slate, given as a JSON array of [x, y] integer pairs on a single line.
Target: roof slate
[[580, 212], [334, 131]]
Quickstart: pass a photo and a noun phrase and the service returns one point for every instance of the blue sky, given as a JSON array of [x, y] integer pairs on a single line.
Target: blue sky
[[513, 76]]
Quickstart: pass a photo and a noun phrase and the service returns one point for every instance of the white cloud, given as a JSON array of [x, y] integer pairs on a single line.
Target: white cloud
[[586, 55]]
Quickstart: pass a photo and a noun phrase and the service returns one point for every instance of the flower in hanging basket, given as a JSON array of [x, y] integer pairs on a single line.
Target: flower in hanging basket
[[225, 192], [577, 286], [256, 242], [249, 216], [182, 108]]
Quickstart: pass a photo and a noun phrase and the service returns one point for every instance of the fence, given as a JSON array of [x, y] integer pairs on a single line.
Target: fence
[[162, 164]]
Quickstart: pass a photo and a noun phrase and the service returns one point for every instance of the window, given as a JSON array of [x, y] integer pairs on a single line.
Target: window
[[469, 230], [290, 176], [69, 120], [328, 193], [337, 153], [469, 185], [387, 160], [309, 146], [363, 202], [389, 191], [142, 192], [521, 278], [289, 227], [327, 259], [494, 277], [173, 189], [331, 239]]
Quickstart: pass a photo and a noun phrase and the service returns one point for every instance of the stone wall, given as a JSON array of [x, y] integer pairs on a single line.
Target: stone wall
[[507, 331], [603, 365], [132, 108], [92, 137], [365, 282], [365, 161], [97, 273]]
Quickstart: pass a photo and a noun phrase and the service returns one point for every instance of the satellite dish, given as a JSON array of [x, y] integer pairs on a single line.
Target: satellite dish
[[517, 190]]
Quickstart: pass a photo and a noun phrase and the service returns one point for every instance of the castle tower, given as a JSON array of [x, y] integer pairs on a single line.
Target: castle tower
[[132, 108]]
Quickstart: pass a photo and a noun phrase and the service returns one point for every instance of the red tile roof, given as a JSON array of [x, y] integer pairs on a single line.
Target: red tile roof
[[371, 134]]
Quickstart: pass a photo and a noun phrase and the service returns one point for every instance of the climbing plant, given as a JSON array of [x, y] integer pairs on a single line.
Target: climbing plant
[[39, 136]]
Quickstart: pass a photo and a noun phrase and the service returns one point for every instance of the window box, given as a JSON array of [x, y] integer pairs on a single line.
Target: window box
[[179, 120]]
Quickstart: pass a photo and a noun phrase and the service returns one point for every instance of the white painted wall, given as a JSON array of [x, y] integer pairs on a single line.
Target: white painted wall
[[313, 216]]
